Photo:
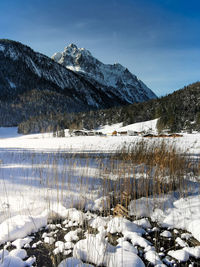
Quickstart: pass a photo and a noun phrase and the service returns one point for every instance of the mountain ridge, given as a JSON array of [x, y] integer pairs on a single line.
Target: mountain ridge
[[115, 78]]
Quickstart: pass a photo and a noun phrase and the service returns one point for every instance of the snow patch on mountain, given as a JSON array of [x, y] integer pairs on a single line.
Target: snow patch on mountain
[[10, 52], [36, 70], [2, 48], [12, 85]]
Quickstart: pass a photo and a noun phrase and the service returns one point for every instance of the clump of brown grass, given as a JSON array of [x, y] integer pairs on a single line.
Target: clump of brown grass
[[163, 168]]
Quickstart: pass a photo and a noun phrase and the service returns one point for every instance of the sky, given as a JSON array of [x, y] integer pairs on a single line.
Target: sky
[[157, 40]]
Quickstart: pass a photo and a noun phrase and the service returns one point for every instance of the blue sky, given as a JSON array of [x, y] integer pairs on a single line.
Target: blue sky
[[158, 40]]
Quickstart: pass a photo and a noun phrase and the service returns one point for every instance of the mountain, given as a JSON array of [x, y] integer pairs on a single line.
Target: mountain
[[111, 79], [22, 70], [32, 84]]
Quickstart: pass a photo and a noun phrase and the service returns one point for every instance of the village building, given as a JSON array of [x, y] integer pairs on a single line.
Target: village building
[[80, 133]]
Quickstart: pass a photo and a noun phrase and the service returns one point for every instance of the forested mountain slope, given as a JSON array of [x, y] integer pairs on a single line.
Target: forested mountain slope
[[177, 111]]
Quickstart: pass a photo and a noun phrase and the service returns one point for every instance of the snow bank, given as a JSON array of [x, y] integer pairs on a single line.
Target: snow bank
[[194, 228], [183, 213], [10, 260], [185, 253], [18, 227], [180, 255], [21, 226]]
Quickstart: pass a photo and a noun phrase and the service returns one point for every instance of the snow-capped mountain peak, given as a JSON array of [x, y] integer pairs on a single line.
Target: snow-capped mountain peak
[[115, 79], [79, 83]]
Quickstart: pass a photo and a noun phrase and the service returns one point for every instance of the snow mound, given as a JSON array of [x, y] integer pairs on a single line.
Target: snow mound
[[180, 255], [166, 234], [73, 262], [99, 221], [75, 215], [121, 225], [20, 253], [97, 250], [12, 261], [144, 223]]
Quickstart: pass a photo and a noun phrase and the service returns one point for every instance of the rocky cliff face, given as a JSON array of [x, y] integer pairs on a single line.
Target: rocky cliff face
[[111, 79]]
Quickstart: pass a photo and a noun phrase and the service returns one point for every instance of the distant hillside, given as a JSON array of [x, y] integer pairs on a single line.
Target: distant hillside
[[177, 111]]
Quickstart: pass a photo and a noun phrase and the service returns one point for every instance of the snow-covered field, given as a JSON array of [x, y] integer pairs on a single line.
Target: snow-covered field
[[9, 138], [41, 176]]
